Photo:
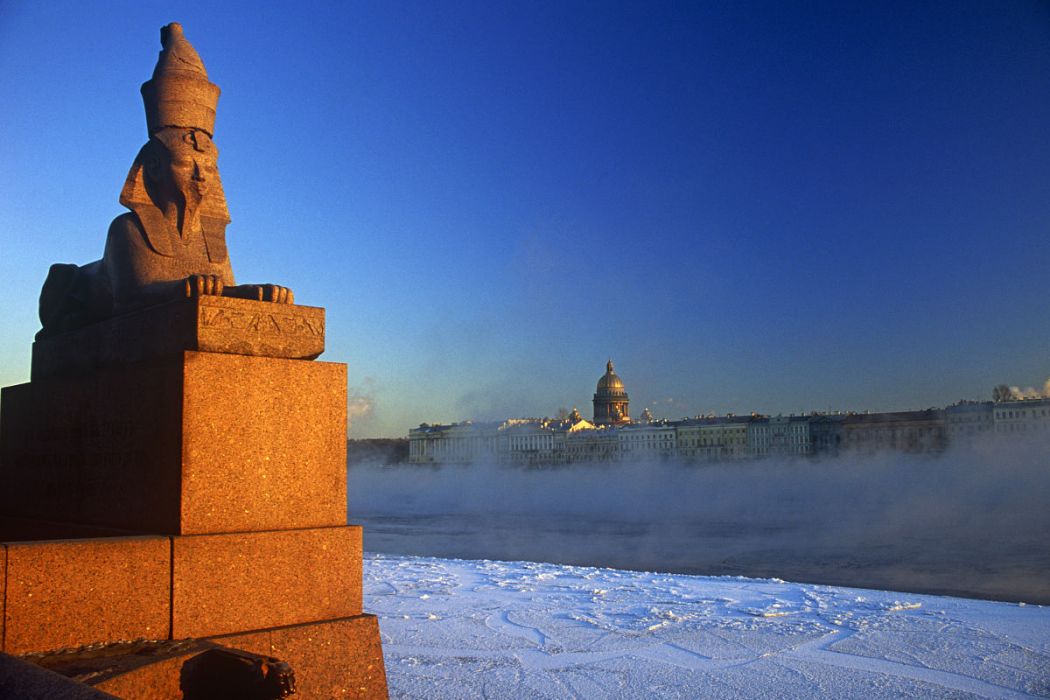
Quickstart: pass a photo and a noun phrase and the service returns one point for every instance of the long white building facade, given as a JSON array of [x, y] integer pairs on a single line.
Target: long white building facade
[[612, 436]]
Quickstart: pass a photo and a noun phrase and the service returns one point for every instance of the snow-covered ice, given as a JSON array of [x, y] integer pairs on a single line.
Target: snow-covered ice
[[487, 629]]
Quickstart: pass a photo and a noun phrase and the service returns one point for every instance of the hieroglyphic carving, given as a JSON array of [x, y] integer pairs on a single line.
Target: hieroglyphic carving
[[261, 322]]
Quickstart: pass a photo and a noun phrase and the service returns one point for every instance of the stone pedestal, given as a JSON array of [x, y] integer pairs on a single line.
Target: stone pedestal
[[188, 443], [190, 483]]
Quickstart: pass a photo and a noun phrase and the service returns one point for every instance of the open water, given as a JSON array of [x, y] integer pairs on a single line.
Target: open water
[[974, 524]]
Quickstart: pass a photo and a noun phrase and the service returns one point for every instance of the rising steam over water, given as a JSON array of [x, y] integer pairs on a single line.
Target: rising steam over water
[[968, 522]]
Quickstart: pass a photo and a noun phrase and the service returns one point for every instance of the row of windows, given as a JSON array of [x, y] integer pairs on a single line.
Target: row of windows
[[1020, 427], [1034, 413]]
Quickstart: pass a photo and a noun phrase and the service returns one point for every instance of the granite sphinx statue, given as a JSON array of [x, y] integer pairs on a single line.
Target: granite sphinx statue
[[172, 244]]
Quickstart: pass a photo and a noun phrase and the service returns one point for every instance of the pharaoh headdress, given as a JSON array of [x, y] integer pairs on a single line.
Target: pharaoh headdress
[[178, 96]]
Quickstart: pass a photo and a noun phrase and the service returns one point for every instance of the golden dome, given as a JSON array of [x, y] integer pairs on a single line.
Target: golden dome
[[609, 381], [610, 401]]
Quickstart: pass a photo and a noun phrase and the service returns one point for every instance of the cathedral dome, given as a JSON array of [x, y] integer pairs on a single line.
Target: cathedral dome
[[610, 381], [610, 400]]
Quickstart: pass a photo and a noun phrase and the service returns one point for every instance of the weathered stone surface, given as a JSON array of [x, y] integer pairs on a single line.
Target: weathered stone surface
[[264, 444], [152, 669], [157, 679], [243, 581], [196, 443], [71, 593], [101, 450], [332, 659], [256, 641], [132, 670], [336, 659], [183, 671], [205, 323]]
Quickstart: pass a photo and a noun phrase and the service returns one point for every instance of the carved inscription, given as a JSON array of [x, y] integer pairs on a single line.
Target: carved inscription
[[212, 317]]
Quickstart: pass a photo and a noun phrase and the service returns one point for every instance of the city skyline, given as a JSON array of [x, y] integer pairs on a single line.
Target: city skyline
[[1000, 392], [759, 207]]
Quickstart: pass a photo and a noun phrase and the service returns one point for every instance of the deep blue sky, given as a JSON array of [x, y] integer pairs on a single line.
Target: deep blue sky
[[750, 205]]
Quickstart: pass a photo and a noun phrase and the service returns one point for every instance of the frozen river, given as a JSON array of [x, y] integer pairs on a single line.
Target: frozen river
[[488, 629]]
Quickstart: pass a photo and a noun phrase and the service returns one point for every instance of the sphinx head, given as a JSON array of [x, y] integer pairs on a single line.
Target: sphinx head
[[177, 166]]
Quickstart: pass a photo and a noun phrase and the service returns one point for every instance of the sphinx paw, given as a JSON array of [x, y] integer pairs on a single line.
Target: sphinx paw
[[276, 294], [201, 285]]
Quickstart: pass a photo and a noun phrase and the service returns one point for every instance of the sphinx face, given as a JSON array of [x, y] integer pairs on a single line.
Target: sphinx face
[[190, 168], [190, 174]]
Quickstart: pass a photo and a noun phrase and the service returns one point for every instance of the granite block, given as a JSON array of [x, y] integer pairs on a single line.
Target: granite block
[[69, 593], [160, 674], [257, 642], [203, 323], [157, 679], [335, 659], [102, 450], [264, 444], [249, 581], [195, 443], [136, 670], [133, 670]]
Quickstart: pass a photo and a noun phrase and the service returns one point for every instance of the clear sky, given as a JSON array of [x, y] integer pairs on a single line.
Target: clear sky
[[764, 206]]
